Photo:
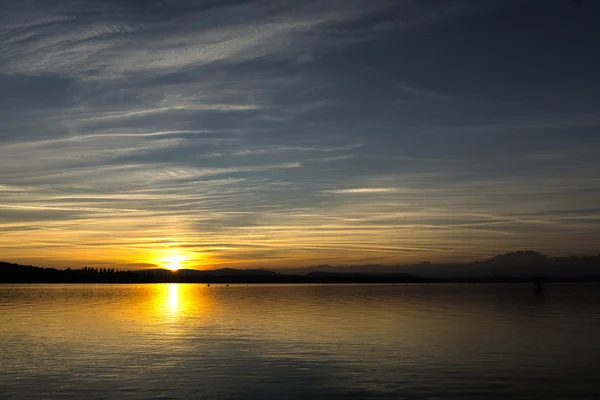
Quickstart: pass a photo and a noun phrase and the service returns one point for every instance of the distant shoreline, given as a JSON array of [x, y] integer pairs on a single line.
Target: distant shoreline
[[519, 267]]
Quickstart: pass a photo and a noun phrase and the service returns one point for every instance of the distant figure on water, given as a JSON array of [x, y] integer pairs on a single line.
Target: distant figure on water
[[538, 284]]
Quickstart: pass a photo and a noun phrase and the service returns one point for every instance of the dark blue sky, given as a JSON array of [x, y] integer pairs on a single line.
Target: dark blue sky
[[284, 133]]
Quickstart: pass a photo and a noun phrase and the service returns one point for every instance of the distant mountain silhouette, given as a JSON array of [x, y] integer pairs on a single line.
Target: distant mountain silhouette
[[231, 271], [517, 258], [518, 264], [336, 277], [216, 272], [14, 273], [508, 267]]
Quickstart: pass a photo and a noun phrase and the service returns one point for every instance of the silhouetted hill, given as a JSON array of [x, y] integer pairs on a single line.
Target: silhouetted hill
[[333, 277], [215, 272], [517, 258], [508, 267], [246, 272], [519, 264], [13, 273]]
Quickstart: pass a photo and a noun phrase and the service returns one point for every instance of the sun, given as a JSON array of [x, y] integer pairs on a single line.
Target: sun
[[173, 262]]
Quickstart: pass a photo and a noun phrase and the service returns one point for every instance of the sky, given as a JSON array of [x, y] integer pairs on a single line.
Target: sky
[[230, 133]]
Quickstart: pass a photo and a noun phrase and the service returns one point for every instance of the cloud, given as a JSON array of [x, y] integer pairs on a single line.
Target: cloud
[[85, 40], [161, 110], [364, 190], [47, 155], [280, 149]]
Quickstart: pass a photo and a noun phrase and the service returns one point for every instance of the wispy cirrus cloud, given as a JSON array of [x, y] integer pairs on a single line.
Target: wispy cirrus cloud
[[279, 149], [89, 39], [364, 190]]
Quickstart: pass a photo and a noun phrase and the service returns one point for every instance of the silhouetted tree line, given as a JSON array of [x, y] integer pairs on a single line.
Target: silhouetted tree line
[[14, 273]]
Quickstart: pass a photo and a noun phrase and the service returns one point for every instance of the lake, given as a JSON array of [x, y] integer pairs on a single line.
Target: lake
[[170, 341]]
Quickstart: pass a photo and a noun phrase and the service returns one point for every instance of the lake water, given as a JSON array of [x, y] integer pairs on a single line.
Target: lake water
[[291, 342]]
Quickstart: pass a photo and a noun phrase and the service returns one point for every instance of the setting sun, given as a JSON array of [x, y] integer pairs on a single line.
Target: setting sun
[[173, 262]]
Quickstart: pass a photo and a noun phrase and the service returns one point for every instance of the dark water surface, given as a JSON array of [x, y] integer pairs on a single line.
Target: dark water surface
[[285, 341]]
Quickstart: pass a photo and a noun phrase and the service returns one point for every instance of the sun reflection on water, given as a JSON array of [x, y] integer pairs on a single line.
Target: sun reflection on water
[[173, 298], [156, 307], [177, 300]]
